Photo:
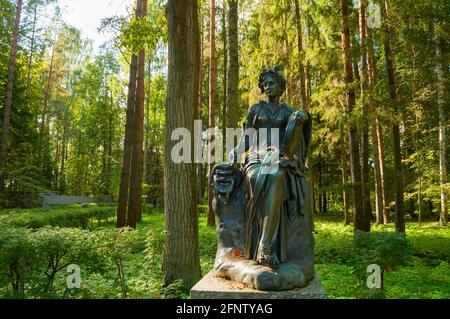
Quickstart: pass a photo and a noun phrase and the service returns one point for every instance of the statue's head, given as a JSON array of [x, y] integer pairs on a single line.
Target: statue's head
[[272, 82], [225, 178]]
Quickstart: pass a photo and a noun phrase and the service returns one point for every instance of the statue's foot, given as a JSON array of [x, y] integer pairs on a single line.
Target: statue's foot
[[286, 277], [266, 258]]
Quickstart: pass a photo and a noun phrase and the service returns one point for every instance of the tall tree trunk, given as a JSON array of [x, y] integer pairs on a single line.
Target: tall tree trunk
[[225, 79], [443, 219], [233, 70], [44, 120], [380, 207], [56, 155], [320, 183], [398, 178], [301, 66], [286, 8], [383, 174], [365, 113], [61, 185], [134, 213], [8, 99], [308, 81], [344, 167], [198, 111], [360, 220], [181, 255], [110, 140], [147, 123], [212, 104], [125, 173], [30, 59]]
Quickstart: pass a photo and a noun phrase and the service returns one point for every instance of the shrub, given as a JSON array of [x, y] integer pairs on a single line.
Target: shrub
[[116, 245], [57, 248], [67, 216], [173, 291], [155, 245], [17, 258], [385, 249]]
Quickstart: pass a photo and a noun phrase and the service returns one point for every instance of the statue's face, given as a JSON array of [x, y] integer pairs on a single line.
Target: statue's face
[[271, 86], [224, 180]]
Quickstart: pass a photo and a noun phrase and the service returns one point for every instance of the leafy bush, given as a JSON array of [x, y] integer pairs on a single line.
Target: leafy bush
[[386, 249], [334, 244], [173, 291], [57, 248], [155, 245], [17, 258], [116, 245], [68, 216]]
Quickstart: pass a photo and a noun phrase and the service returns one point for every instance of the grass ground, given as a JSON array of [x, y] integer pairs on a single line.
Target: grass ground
[[424, 274]]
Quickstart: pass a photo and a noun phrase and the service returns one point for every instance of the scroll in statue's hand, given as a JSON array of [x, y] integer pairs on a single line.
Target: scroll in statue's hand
[[303, 116]]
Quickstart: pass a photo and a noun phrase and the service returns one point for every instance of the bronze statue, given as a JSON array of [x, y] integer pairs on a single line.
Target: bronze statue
[[264, 210]]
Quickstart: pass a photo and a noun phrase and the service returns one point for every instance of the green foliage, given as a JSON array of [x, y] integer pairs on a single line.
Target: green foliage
[[116, 245], [63, 216], [386, 249], [155, 245], [118, 263], [17, 258], [412, 266], [59, 247], [174, 290]]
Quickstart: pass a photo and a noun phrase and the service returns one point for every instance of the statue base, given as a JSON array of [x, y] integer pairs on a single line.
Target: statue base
[[211, 287]]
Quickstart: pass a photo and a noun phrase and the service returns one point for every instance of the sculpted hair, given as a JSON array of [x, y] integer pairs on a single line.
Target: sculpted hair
[[276, 73]]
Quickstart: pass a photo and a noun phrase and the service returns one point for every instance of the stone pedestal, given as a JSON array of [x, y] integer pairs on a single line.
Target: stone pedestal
[[211, 287]]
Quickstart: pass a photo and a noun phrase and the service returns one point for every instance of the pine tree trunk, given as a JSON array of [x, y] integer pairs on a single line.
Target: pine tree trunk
[[301, 66], [56, 156], [110, 137], [134, 213], [365, 116], [212, 103], [398, 178], [360, 220], [225, 79], [61, 184], [198, 111], [308, 84], [125, 173], [8, 99], [286, 7], [344, 167], [379, 186], [30, 59], [320, 183], [42, 129], [443, 218], [383, 175], [147, 123], [233, 70], [181, 255]]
